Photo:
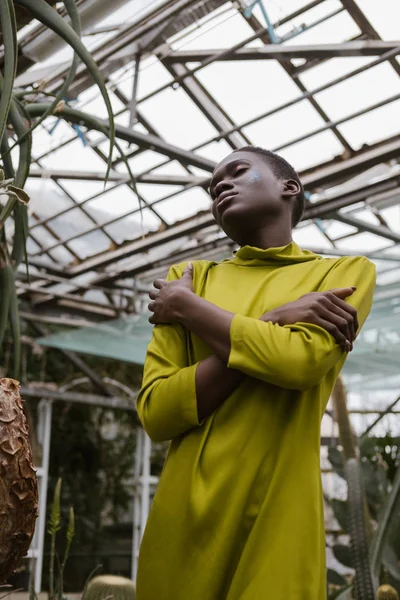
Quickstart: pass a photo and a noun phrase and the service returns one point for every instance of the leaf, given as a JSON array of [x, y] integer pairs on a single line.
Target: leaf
[[336, 459], [344, 594], [7, 21], [21, 194], [55, 516], [335, 578], [344, 555], [341, 512], [71, 525], [391, 562], [50, 17], [390, 512], [58, 103]]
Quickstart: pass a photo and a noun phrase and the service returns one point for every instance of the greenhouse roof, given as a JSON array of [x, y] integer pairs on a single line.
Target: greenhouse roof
[[319, 83]]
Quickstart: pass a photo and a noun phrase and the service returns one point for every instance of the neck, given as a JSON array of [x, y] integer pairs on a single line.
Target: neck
[[268, 237]]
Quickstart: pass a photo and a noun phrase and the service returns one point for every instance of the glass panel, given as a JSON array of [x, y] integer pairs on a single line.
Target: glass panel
[[329, 70], [216, 151], [143, 162], [336, 229], [314, 151], [185, 205], [153, 192], [373, 127], [363, 242], [224, 31], [279, 10], [284, 126], [112, 204], [84, 189], [177, 118], [90, 244], [172, 167], [359, 92], [236, 86], [72, 223], [133, 227], [384, 15], [74, 156], [47, 199], [310, 236], [337, 29]]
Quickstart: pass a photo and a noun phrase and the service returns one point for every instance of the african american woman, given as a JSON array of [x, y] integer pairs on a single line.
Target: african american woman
[[243, 358]]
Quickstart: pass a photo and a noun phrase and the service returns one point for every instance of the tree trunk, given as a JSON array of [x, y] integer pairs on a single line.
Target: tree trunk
[[18, 483]]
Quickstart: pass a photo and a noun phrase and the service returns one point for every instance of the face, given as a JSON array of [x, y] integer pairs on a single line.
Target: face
[[247, 196]]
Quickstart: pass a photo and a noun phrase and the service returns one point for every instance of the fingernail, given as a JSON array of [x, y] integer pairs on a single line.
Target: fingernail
[[353, 287]]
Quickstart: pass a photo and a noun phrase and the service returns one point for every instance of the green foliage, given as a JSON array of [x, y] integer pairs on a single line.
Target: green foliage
[[13, 114], [379, 460], [56, 585]]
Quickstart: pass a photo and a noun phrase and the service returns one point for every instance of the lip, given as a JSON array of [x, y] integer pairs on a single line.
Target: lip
[[224, 199]]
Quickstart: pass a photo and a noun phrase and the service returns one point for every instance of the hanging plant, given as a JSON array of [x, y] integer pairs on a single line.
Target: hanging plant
[[15, 117]]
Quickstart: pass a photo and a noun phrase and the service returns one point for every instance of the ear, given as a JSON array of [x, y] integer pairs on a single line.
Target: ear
[[291, 188]]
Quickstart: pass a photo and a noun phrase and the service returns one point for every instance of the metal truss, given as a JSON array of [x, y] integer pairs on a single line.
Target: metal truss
[[100, 286]]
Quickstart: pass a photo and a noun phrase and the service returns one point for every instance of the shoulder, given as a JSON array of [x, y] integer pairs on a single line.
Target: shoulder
[[199, 267], [352, 263], [348, 271]]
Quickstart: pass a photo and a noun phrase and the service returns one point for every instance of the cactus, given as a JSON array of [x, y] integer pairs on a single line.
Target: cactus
[[109, 587], [358, 532], [18, 483], [387, 592]]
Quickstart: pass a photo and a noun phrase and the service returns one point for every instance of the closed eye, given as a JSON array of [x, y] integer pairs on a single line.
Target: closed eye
[[240, 171]]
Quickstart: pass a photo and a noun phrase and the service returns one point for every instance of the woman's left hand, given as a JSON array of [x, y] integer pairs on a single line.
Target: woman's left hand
[[169, 297]]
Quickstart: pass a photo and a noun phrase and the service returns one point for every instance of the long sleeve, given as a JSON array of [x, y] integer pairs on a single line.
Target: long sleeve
[[298, 356], [167, 403]]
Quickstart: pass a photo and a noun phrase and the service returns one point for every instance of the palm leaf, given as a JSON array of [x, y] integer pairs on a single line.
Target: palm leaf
[[49, 17], [76, 116], [76, 25], [7, 21]]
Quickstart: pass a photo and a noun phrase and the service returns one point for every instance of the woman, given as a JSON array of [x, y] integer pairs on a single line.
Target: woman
[[240, 368]]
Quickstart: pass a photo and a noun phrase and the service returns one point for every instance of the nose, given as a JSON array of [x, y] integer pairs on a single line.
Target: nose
[[222, 186]]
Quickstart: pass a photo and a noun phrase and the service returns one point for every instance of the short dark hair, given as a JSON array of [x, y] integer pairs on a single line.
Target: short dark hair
[[282, 170]]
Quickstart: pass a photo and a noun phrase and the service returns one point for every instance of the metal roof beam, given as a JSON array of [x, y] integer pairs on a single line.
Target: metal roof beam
[[319, 209], [280, 52], [116, 177], [208, 105]]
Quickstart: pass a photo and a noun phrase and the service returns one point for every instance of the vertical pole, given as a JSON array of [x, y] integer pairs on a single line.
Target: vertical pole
[[145, 487], [136, 502], [132, 104], [45, 412]]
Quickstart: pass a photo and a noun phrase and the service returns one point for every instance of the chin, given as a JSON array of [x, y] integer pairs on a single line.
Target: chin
[[233, 224]]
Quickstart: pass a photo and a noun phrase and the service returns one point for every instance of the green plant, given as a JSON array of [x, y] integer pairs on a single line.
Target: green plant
[[104, 587], [15, 118], [56, 588], [370, 513]]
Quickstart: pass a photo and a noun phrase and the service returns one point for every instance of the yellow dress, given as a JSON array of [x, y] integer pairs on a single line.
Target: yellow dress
[[238, 513]]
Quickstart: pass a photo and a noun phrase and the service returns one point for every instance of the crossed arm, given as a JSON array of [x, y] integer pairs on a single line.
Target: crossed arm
[[175, 397]]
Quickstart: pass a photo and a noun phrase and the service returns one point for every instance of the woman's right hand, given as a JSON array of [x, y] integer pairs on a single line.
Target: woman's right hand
[[325, 309]]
